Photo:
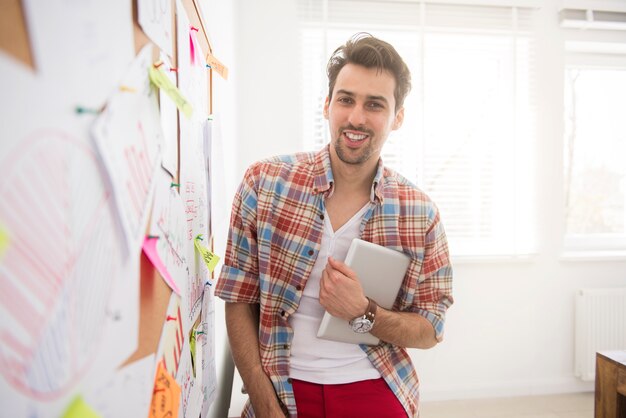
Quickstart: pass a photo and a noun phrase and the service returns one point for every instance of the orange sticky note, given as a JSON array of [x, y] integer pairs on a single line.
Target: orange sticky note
[[165, 395]]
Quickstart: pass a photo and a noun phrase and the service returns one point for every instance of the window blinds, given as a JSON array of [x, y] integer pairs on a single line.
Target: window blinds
[[469, 121]]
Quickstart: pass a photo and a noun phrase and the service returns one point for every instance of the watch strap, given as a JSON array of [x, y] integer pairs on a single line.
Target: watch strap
[[370, 315]]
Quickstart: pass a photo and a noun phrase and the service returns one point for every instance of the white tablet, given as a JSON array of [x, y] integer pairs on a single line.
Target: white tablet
[[381, 272]]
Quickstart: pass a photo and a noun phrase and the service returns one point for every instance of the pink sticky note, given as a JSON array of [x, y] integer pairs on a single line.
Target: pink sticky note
[[149, 248]]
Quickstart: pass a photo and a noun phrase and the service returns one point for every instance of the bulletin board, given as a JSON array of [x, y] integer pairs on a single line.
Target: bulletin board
[[106, 262]]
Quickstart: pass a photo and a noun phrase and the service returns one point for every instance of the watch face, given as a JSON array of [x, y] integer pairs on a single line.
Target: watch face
[[361, 325]]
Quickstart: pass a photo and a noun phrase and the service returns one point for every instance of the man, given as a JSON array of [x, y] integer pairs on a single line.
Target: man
[[292, 222]]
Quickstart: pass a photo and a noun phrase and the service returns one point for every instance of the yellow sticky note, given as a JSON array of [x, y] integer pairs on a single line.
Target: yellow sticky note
[[80, 409], [209, 258], [162, 81], [165, 395], [4, 241]]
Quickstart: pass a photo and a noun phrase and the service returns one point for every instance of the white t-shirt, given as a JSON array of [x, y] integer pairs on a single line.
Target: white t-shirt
[[314, 359]]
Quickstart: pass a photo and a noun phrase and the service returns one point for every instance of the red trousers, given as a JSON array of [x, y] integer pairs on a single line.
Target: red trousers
[[365, 399]]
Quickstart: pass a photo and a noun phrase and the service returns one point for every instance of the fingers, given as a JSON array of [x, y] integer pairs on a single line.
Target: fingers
[[341, 267]]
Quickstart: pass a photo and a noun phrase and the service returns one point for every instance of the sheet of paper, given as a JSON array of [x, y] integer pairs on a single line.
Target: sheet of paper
[[192, 81], [128, 137], [155, 18], [134, 381], [165, 395], [169, 123], [191, 386], [68, 292], [168, 222], [97, 45], [192, 70], [207, 149], [207, 341], [172, 336], [193, 193]]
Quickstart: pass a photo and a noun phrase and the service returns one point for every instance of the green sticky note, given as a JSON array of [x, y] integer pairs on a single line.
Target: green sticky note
[[79, 409], [209, 258], [4, 241], [162, 81]]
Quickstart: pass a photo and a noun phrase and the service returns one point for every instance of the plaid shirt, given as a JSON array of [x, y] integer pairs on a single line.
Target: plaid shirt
[[274, 239]]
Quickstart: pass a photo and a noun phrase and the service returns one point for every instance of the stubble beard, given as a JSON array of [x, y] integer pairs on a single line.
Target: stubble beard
[[359, 156]]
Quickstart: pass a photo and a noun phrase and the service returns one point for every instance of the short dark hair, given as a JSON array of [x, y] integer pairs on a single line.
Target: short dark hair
[[370, 52]]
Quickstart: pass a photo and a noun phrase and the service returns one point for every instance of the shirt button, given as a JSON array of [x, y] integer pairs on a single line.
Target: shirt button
[[286, 346], [321, 216], [289, 380], [311, 252], [298, 287], [283, 313]]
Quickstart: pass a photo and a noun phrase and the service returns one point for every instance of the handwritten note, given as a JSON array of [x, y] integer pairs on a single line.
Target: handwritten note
[[149, 248], [80, 409], [209, 258], [160, 79], [165, 396]]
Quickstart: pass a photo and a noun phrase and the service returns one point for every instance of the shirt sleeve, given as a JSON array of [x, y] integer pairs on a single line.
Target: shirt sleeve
[[239, 278], [434, 291]]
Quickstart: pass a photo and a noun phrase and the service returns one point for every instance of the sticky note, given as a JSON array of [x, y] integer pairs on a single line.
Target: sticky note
[[149, 248], [4, 241], [162, 81], [80, 409], [216, 65], [209, 258], [165, 395]]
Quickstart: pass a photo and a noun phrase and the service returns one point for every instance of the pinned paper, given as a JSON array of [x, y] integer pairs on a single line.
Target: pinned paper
[[160, 79], [165, 396], [80, 409], [209, 258], [4, 241], [216, 65], [149, 248]]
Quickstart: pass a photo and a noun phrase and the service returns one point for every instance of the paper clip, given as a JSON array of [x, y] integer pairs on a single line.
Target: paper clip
[[128, 89]]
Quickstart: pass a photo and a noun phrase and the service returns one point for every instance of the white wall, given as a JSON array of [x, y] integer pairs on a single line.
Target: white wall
[[511, 329]]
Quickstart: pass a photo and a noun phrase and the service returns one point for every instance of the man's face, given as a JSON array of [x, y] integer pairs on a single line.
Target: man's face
[[361, 113]]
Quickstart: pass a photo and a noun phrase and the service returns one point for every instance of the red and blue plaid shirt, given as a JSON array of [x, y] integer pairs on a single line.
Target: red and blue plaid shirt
[[275, 235]]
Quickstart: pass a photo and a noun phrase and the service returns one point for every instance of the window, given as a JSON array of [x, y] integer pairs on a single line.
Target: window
[[469, 131], [595, 147]]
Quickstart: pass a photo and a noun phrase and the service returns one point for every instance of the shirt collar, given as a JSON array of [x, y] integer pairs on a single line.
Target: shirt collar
[[323, 176]]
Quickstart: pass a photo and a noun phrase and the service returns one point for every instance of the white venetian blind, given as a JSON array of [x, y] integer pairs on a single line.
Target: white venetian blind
[[469, 120]]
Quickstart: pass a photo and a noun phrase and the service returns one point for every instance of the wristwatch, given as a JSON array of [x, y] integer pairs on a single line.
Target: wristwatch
[[363, 324]]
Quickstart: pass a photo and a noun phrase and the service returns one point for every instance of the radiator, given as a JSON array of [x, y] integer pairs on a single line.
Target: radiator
[[600, 325]]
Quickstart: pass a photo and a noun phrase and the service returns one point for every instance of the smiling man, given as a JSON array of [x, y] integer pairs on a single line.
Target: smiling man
[[293, 220]]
